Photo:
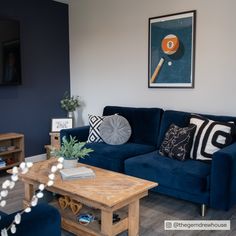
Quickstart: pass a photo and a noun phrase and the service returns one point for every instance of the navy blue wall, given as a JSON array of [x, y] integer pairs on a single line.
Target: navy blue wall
[[28, 108]]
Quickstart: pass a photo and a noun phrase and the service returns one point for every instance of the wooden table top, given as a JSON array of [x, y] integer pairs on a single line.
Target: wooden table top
[[108, 188]]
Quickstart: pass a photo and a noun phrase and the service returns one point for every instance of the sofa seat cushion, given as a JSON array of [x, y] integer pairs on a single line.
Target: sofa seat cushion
[[112, 157], [187, 176]]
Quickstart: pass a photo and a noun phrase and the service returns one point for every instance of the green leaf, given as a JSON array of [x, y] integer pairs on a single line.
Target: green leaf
[[72, 149]]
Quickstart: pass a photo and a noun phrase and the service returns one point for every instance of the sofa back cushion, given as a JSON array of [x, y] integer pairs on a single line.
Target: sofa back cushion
[[182, 119], [144, 122]]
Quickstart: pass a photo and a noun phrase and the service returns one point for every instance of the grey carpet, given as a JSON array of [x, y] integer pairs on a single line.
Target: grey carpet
[[154, 210]]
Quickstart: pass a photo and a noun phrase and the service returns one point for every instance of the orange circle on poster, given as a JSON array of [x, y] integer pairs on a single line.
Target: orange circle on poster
[[170, 44]]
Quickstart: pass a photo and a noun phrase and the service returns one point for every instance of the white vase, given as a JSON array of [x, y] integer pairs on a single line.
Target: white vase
[[70, 114], [70, 163]]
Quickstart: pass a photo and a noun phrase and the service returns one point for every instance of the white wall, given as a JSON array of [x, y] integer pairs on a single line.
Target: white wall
[[109, 55]]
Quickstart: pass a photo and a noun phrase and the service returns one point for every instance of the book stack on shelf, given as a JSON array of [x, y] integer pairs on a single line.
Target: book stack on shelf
[[77, 173], [2, 162], [3, 149]]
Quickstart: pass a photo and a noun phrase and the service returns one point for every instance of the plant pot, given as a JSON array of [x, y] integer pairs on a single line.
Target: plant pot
[[70, 114], [70, 163]]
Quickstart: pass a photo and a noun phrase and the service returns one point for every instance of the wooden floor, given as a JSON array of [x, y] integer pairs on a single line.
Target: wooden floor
[[154, 210]]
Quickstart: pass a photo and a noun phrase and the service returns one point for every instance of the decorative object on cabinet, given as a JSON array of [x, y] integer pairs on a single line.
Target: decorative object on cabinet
[[61, 123]]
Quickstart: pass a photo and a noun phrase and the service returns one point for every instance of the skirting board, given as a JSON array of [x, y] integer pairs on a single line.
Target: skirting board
[[37, 158]]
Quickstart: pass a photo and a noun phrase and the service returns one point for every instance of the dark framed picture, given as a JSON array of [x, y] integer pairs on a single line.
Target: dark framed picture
[[61, 123], [11, 62], [171, 50]]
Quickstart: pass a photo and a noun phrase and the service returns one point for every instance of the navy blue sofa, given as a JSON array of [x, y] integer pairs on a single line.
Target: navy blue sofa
[[42, 220], [209, 184]]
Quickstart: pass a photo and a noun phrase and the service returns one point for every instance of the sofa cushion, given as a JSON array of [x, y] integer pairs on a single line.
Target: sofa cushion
[[179, 118], [187, 176], [144, 122], [210, 136], [177, 142], [115, 130], [112, 157], [94, 133]]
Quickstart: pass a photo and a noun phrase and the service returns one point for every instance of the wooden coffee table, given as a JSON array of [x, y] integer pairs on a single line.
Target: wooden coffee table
[[108, 192]]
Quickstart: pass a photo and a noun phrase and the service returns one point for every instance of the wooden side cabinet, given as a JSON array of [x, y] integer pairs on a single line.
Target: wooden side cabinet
[[11, 150], [55, 143]]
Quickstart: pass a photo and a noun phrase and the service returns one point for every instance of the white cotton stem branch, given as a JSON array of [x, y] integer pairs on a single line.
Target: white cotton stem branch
[[24, 167]]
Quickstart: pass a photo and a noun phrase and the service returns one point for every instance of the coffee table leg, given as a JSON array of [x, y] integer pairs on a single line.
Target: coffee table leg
[[133, 218], [29, 191], [106, 222]]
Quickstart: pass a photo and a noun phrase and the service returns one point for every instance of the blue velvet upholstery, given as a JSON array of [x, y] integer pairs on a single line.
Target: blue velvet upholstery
[[2, 214], [213, 184], [42, 220], [186, 176], [202, 198], [223, 178], [181, 119], [81, 133], [112, 157], [144, 122]]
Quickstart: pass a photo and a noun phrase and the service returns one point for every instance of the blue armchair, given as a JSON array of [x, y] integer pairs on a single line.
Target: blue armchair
[[42, 220]]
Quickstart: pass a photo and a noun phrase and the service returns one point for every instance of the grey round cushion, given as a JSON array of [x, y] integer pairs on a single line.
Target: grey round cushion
[[115, 130]]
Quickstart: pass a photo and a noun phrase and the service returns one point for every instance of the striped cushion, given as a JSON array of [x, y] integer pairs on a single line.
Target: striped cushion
[[210, 136]]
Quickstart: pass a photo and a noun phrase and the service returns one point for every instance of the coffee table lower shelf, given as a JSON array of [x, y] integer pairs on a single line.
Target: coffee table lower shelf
[[69, 222]]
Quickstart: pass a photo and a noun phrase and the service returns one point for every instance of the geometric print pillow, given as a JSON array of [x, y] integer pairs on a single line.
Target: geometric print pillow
[[177, 142], [94, 134], [210, 136]]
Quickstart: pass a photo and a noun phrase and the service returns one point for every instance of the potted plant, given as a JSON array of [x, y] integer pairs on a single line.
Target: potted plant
[[70, 103], [71, 150]]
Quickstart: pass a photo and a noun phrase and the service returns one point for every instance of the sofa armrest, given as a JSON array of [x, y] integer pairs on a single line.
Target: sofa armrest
[[223, 178], [81, 133]]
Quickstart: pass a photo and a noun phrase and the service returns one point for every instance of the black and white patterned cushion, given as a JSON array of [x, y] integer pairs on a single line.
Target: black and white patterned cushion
[[177, 142], [94, 134], [210, 136]]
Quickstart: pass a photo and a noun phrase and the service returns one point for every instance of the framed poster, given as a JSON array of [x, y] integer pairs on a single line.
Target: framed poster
[[61, 123], [171, 50]]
